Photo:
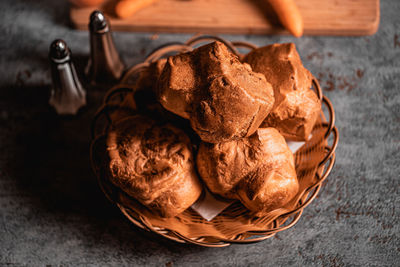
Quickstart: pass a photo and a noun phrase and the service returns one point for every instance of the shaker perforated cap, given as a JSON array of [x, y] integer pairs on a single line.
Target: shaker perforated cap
[[97, 21], [59, 50]]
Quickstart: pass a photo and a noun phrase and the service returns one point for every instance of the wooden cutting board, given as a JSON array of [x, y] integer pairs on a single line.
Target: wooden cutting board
[[321, 17]]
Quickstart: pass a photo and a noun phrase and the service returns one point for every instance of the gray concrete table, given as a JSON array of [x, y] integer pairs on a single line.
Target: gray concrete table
[[53, 213]]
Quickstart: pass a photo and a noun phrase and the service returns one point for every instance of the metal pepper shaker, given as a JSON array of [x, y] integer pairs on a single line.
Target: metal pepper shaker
[[105, 65], [67, 93]]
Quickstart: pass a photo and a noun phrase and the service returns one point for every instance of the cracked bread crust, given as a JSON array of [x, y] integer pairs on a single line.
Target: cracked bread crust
[[153, 163], [258, 170], [222, 97], [296, 106]]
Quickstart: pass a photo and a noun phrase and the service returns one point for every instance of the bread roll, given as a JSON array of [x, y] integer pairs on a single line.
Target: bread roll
[[153, 163], [258, 170], [148, 104], [145, 88], [223, 98], [142, 99], [127, 107], [296, 106], [148, 78]]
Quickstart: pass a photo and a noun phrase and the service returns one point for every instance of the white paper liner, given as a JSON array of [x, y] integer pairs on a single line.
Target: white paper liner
[[209, 206]]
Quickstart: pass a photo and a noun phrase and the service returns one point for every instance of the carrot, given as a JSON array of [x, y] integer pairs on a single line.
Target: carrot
[[289, 15], [126, 8]]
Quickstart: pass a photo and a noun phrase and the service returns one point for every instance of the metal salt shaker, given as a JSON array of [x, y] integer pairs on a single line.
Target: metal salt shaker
[[67, 93], [105, 65]]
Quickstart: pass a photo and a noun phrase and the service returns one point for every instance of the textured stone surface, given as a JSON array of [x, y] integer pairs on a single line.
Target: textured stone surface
[[53, 213]]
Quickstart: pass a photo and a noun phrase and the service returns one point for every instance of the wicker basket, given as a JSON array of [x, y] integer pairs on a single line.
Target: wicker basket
[[235, 224]]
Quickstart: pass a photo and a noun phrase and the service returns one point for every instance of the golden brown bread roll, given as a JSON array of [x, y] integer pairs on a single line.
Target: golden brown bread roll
[[296, 115], [148, 78], [148, 104], [143, 99], [153, 163], [145, 90], [127, 107], [223, 98], [296, 106], [258, 170]]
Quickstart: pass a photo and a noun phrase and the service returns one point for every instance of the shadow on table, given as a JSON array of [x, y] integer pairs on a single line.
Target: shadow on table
[[48, 160]]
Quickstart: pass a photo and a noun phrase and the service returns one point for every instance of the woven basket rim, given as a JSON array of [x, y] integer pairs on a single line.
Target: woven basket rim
[[324, 167]]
